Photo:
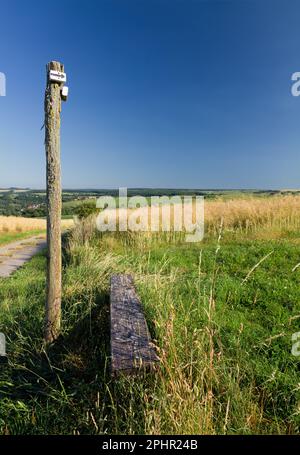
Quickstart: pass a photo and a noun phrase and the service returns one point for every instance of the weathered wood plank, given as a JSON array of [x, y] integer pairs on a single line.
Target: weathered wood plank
[[131, 347]]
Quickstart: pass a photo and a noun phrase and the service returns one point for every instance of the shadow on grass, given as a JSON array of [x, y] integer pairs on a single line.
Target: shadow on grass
[[80, 353], [67, 388]]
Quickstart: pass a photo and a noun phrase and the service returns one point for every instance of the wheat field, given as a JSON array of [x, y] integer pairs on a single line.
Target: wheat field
[[239, 214], [251, 214], [12, 224], [281, 212]]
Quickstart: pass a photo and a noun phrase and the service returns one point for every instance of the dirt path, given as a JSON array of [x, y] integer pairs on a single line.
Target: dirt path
[[16, 254]]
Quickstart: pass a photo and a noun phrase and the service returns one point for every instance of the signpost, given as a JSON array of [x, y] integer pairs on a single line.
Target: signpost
[[57, 76], [55, 79]]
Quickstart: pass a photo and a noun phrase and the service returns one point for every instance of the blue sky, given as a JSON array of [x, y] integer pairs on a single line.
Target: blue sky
[[163, 93]]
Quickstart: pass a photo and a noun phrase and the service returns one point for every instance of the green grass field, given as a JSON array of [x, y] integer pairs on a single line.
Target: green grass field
[[222, 313], [6, 238]]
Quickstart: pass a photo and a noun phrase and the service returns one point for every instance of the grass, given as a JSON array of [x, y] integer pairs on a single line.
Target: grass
[[12, 237], [222, 313]]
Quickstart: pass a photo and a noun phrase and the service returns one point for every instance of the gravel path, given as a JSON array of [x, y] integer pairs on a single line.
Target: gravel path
[[16, 254]]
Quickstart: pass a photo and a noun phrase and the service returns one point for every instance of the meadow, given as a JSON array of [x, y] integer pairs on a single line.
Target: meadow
[[222, 313]]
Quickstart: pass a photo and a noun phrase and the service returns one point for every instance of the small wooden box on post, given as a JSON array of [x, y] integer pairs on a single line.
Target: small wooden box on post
[[55, 79]]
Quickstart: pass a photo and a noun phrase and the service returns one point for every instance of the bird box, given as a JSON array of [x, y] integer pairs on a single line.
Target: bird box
[[64, 93]]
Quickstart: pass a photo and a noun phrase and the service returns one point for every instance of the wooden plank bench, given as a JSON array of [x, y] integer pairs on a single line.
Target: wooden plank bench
[[131, 347]]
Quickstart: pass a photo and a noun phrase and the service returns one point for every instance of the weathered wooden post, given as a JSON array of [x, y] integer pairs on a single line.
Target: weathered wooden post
[[53, 95]]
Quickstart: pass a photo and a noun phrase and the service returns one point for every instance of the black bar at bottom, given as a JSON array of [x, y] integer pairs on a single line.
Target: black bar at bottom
[[147, 444]]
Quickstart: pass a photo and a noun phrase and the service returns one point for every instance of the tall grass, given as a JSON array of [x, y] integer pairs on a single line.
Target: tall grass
[[214, 309], [239, 215], [212, 379]]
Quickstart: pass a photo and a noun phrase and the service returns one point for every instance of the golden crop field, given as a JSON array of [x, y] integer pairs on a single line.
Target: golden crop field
[[247, 214], [257, 212], [11, 224]]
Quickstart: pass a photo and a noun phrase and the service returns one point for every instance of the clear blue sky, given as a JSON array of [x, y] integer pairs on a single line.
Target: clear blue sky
[[163, 93]]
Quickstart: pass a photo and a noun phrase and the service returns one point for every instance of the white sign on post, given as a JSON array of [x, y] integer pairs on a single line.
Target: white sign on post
[[57, 76]]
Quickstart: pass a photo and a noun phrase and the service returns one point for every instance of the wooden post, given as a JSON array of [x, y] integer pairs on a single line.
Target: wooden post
[[52, 145]]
